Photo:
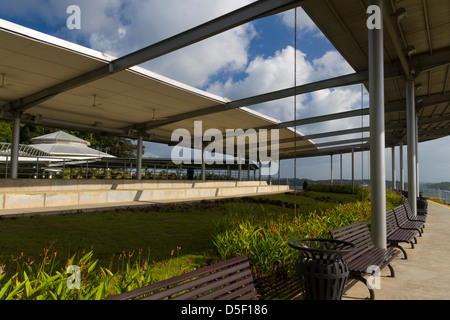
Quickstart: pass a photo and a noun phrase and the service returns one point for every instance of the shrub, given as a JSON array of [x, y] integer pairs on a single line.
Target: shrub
[[263, 238], [45, 279]]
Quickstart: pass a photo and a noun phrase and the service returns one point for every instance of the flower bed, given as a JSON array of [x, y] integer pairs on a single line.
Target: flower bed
[[263, 238]]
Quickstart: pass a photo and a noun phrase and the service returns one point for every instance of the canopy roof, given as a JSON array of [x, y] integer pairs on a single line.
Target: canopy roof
[[123, 103], [416, 47], [62, 144], [60, 137], [54, 147]]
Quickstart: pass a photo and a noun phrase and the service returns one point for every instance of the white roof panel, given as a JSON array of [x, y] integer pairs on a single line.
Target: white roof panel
[[32, 61]]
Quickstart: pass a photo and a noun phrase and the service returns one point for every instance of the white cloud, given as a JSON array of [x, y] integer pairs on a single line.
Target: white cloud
[[277, 72], [195, 65]]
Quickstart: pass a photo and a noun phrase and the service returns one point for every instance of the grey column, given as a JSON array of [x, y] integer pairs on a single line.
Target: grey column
[[402, 171], [353, 170], [239, 170], [260, 171], [15, 147], [203, 164], [341, 169], [377, 132], [279, 173], [417, 154], [393, 169], [411, 141], [331, 169], [139, 159]]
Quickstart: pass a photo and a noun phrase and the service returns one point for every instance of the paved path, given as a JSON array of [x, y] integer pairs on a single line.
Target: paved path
[[426, 273]]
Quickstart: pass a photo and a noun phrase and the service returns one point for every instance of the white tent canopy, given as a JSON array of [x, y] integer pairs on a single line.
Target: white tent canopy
[[54, 147], [63, 145]]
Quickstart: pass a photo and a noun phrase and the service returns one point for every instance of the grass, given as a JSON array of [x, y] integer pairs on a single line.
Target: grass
[[185, 229]]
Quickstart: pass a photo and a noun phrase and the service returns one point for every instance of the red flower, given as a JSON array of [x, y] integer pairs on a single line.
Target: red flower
[[274, 229]]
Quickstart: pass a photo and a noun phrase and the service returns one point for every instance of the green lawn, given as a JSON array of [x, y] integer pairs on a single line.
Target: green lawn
[[156, 233]]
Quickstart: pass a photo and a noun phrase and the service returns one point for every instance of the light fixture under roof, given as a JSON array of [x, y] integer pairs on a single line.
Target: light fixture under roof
[[401, 14], [410, 50]]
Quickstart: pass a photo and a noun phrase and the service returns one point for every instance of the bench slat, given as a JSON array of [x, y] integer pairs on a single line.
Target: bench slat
[[234, 275], [366, 254], [203, 285]]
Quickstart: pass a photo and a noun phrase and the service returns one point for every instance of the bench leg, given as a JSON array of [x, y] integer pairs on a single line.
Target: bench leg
[[396, 245], [359, 277], [392, 270]]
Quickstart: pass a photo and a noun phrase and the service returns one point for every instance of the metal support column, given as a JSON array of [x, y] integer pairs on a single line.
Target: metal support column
[[417, 155], [279, 173], [353, 170], [331, 169], [402, 171], [411, 141], [139, 159], [341, 169], [239, 170], [260, 171], [203, 164], [15, 147], [377, 131], [393, 169]]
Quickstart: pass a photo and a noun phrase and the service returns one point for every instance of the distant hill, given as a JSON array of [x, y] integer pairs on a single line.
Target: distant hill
[[440, 185], [366, 182]]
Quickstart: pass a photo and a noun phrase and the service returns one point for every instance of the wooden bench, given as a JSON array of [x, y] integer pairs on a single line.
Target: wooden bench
[[403, 222], [411, 217], [227, 280], [395, 235], [366, 254]]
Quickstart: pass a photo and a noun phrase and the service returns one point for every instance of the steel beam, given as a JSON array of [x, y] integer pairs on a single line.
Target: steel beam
[[328, 144], [329, 151], [327, 117], [393, 33]]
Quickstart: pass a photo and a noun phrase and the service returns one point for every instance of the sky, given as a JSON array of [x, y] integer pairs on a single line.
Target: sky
[[252, 59]]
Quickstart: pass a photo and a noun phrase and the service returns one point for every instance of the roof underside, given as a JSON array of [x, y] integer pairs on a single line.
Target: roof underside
[[115, 104], [427, 28]]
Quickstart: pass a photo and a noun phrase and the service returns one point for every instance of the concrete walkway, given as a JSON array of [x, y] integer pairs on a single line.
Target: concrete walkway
[[425, 275]]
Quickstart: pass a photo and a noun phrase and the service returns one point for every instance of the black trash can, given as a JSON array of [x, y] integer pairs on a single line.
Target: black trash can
[[321, 269], [422, 205], [190, 174]]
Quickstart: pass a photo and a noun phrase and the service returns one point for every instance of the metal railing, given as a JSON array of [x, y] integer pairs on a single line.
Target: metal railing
[[445, 197], [65, 168]]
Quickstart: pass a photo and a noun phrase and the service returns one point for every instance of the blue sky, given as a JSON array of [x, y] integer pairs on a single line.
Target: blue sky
[[254, 58]]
